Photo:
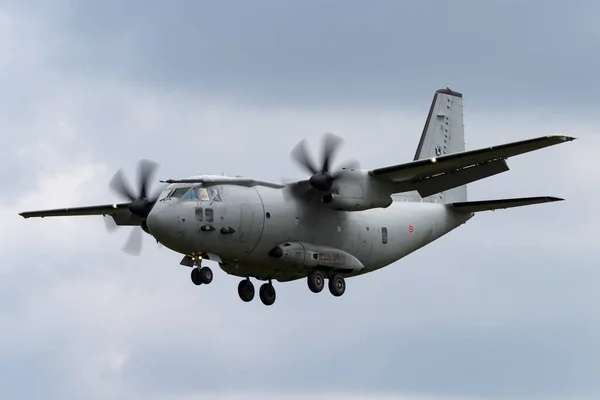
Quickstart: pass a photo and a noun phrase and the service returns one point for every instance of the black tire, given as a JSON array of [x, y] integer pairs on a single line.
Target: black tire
[[246, 290], [316, 281], [206, 275], [196, 279], [267, 294], [337, 285]]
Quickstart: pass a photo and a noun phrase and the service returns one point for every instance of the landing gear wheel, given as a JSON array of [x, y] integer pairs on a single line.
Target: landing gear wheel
[[267, 294], [196, 278], [337, 285], [206, 275], [246, 290], [316, 281]]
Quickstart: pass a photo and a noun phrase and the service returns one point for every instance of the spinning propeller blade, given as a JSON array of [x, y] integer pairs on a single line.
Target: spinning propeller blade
[[110, 224], [134, 243], [322, 178], [139, 205]]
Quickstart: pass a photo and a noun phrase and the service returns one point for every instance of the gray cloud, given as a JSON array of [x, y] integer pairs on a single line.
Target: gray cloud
[[503, 306], [321, 52]]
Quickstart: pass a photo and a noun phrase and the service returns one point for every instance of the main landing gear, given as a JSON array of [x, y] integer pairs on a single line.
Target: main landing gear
[[201, 275], [266, 292], [316, 283]]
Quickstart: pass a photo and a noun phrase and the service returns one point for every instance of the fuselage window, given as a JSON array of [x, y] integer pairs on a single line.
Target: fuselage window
[[199, 214], [209, 214], [384, 235]]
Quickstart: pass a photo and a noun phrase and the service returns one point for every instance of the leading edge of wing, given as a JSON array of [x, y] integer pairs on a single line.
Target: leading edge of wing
[[106, 209], [451, 162]]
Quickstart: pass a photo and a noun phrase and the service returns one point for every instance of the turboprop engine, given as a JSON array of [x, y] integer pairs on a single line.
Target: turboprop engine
[[311, 257]]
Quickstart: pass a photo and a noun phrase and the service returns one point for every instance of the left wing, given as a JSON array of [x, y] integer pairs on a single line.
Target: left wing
[[119, 212], [433, 175]]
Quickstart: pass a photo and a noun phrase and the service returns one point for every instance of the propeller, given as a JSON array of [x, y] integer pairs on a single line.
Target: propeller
[[141, 203], [322, 177]]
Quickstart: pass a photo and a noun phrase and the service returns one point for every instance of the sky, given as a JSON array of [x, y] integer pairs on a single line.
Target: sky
[[504, 307]]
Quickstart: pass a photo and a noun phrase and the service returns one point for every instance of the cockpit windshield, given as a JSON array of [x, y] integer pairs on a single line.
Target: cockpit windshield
[[179, 192], [196, 193]]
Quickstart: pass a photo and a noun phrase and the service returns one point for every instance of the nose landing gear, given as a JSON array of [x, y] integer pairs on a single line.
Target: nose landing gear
[[201, 275]]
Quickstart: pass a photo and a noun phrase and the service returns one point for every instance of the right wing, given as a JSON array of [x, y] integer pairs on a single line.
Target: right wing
[[491, 205], [119, 212], [433, 175]]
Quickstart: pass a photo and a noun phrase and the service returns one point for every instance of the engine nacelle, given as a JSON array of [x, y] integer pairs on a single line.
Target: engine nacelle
[[311, 256], [341, 203]]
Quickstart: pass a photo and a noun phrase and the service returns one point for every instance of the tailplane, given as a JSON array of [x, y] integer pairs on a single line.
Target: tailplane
[[444, 134]]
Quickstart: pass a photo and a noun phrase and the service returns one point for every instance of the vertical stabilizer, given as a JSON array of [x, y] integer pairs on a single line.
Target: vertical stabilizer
[[444, 134]]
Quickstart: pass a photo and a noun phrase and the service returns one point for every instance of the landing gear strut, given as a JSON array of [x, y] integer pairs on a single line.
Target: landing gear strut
[[201, 275]]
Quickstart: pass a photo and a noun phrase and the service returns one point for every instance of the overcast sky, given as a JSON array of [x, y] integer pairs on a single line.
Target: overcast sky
[[506, 306]]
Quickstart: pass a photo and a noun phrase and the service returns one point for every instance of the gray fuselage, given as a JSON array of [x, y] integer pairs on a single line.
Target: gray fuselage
[[259, 218]]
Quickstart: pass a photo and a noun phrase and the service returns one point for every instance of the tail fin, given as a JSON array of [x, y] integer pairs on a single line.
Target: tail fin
[[444, 134]]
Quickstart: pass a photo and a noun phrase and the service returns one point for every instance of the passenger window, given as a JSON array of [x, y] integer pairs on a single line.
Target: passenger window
[[199, 214], [209, 214], [384, 235]]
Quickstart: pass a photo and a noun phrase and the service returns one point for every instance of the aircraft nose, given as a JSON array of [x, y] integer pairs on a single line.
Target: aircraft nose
[[157, 224]]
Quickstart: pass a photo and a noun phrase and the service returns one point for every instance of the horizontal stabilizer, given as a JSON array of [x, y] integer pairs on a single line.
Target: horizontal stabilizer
[[489, 205]]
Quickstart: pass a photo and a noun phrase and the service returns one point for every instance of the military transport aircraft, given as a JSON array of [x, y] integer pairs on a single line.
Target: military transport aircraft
[[336, 224]]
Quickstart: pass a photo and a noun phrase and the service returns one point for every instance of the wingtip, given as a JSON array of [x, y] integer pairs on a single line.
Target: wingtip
[[552, 198], [564, 138]]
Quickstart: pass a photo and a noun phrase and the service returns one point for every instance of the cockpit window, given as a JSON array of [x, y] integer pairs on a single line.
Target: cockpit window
[[209, 194], [192, 195], [214, 194], [203, 194], [164, 194], [179, 192]]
